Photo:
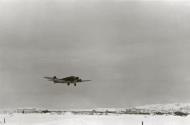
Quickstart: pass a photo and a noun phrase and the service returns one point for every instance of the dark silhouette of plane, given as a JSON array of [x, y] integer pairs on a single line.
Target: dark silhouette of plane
[[67, 80]]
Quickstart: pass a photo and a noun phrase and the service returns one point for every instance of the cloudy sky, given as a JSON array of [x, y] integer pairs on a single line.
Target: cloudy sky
[[135, 53]]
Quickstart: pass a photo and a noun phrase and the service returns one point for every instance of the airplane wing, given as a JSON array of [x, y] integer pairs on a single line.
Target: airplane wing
[[49, 78], [85, 80]]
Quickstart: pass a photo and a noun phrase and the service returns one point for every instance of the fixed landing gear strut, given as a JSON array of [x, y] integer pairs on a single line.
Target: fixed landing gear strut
[[75, 84]]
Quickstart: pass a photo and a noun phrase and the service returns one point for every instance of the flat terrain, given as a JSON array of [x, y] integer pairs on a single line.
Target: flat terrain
[[70, 119]]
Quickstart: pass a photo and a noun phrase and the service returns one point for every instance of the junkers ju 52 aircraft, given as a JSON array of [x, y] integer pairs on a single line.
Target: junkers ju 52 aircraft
[[67, 80]]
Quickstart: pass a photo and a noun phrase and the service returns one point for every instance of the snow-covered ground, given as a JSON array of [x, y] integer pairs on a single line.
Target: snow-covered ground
[[70, 119], [100, 116]]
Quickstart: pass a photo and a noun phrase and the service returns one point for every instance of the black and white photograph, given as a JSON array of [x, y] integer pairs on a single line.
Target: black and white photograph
[[94, 62]]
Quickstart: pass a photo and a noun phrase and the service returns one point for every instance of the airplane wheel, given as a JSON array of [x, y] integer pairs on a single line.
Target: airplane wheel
[[75, 84], [68, 84]]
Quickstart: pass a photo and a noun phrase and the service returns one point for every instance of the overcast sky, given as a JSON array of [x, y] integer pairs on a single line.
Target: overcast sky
[[135, 53]]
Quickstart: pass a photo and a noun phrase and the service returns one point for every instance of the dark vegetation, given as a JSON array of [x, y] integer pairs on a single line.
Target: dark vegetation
[[179, 113]]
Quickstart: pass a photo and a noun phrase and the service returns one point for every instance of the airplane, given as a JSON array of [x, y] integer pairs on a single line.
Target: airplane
[[67, 80]]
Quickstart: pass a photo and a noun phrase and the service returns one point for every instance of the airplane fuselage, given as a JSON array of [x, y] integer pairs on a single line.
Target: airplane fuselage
[[67, 80], [63, 81]]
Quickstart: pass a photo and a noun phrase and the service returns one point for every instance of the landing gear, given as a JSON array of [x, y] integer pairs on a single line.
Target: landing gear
[[75, 84], [68, 83]]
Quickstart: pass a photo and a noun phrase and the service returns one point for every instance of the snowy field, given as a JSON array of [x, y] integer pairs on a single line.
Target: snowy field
[[69, 119]]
